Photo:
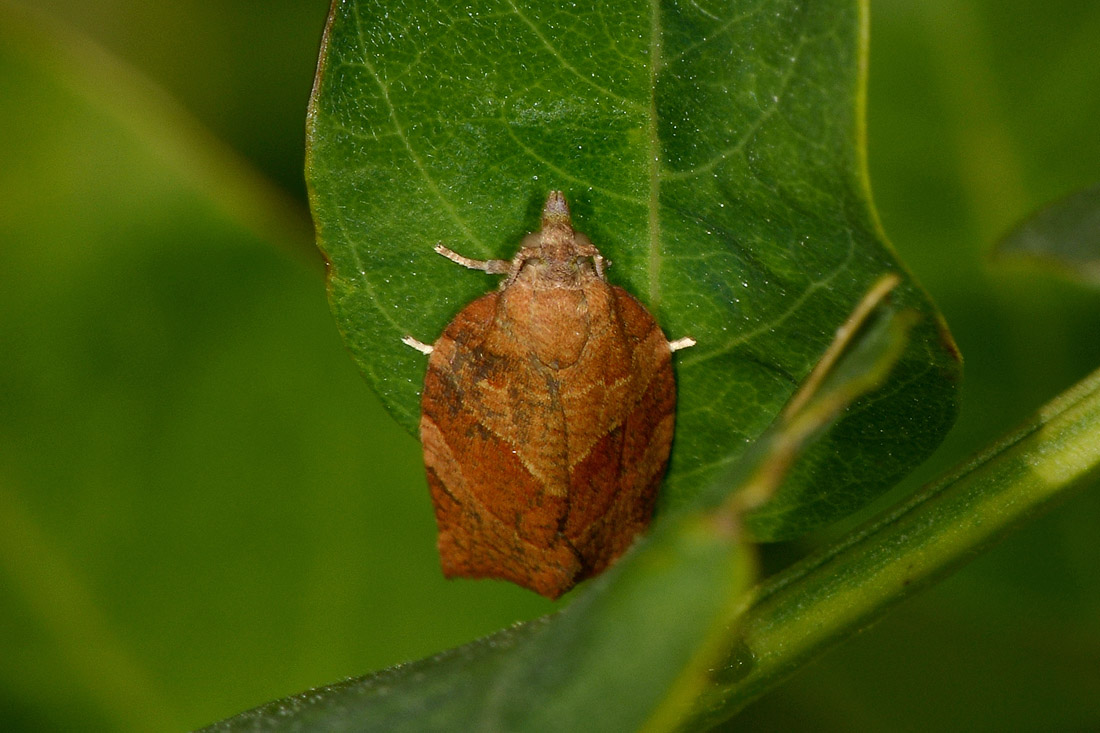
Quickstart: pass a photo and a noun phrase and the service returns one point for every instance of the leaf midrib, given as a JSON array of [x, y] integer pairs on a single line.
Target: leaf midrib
[[654, 154]]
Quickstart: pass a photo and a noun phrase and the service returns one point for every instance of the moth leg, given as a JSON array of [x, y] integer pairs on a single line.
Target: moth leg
[[587, 249], [601, 264], [420, 346], [493, 267], [681, 343]]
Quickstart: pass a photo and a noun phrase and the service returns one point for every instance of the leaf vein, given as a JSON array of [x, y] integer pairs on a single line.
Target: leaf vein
[[654, 253], [765, 115], [413, 155], [565, 64], [772, 324], [721, 30]]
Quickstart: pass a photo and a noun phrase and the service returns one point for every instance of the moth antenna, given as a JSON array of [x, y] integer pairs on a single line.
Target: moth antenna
[[493, 267]]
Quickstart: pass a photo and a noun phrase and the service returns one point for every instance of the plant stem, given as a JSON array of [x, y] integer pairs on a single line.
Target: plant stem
[[829, 596]]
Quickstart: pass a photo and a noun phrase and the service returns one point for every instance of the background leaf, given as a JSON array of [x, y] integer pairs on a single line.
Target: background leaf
[[175, 406], [713, 154], [978, 114], [274, 532], [1065, 234]]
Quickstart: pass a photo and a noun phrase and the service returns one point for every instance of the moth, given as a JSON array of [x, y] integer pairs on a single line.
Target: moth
[[547, 416]]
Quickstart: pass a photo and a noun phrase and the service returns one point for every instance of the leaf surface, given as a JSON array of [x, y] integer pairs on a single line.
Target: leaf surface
[[713, 153]]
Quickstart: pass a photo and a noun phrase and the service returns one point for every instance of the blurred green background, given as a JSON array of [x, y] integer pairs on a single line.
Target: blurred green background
[[202, 507]]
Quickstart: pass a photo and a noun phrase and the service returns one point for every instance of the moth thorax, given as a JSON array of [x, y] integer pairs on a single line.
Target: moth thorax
[[568, 271]]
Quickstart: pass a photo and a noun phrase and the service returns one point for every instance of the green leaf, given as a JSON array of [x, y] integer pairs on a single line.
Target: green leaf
[[713, 152], [636, 649], [1065, 234], [603, 664], [842, 589], [866, 349], [173, 407]]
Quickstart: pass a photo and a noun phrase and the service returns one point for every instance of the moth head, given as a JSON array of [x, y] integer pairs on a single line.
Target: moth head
[[556, 255], [556, 210]]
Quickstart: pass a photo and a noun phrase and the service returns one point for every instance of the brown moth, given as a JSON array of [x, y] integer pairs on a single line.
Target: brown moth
[[547, 416]]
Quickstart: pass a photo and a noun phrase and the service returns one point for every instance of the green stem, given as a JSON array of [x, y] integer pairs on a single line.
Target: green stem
[[831, 595]]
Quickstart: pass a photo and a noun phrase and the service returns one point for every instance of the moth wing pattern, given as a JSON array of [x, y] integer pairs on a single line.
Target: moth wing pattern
[[545, 476], [612, 509]]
